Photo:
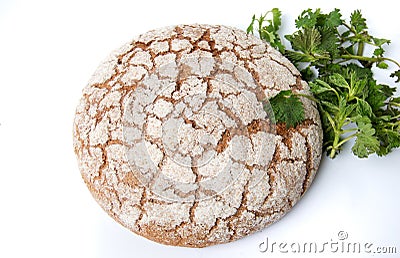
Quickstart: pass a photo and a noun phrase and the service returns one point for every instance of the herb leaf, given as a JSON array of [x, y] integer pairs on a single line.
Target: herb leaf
[[287, 108], [357, 21], [268, 32], [366, 142], [334, 19], [331, 55]]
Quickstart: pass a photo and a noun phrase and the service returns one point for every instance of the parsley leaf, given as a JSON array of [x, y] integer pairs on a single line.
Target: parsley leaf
[[287, 108]]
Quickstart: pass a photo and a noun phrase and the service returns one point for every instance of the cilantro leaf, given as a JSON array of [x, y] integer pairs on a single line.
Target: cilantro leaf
[[287, 108]]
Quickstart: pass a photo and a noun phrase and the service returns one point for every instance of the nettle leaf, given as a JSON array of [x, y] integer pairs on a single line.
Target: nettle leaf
[[339, 80], [357, 21], [395, 100], [389, 139], [336, 58], [318, 87], [366, 142], [306, 40], [307, 74], [387, 90], [363, 108], [329, 41], [297, 57], [329, 106], [375, 97], [346, 110], [396, 75], [333, 19], [250, 28], [276, 18], [357, 87], [269, 31], [382, 65], [379, 51], [307, 18], [267, 35], [287, 108], [359, 72], [379, 42]]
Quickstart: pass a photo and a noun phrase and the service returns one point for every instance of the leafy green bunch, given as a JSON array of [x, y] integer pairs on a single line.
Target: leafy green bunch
[[331, 55]]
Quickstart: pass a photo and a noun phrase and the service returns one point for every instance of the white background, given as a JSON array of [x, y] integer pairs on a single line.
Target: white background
[[49, 49]]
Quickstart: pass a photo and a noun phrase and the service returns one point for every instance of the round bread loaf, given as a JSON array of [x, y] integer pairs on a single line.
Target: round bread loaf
[[176, 140]]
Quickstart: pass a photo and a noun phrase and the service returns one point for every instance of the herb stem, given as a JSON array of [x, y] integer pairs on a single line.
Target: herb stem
[[331, 121], [391, 60], [360, 49], [349, 28], [394, 104], [346, 139], [306, 96], [336, 139], [334, 145], [349, 130], [369, 59]]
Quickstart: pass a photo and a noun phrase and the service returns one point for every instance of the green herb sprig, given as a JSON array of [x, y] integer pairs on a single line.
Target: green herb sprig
[[331, 55]]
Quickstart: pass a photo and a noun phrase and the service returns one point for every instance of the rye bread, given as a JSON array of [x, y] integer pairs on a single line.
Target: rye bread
[[173, 140]]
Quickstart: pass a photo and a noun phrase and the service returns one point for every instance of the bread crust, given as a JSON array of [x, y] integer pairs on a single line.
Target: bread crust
[[257, 193]]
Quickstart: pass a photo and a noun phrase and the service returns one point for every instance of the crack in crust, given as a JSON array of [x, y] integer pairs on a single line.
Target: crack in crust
[[239, 210]]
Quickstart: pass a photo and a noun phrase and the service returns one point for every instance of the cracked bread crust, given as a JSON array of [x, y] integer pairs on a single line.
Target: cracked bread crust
[[117, 106]]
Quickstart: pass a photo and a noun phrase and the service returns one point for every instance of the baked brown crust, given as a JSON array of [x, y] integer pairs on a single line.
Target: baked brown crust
[[106, 119]]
